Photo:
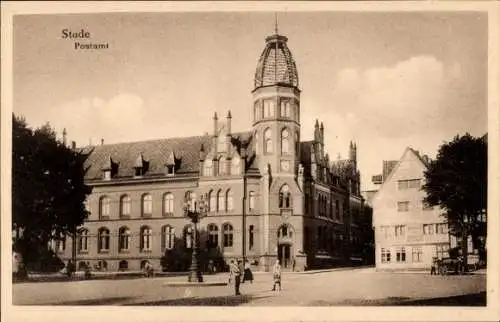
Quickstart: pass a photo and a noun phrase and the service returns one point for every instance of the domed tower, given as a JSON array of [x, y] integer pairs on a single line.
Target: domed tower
[[276, 96]]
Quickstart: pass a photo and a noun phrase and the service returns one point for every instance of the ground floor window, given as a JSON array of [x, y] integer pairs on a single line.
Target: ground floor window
[[400, 254], [416, 254], [123, 265], [442, 251], [385, 255]]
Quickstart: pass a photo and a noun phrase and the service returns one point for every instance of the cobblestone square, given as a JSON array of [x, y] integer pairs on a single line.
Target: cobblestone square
[[352, 287]]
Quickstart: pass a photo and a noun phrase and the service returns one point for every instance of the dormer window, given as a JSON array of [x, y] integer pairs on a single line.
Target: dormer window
[[170, 164], [140, 166], [109, 169]]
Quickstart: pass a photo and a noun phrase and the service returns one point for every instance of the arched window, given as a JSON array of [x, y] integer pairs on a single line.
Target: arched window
[[104, 205], [235, 166], [285, 141], [146, 239], [168, 203], [147, 205], [124, 206], [83, 240], [213, 236], [229, 200], [221, 202], [167, 237], [222, 166], [188, 236], [268, 141], [123, 239], [212, 197], [207, 167], [228, 235], [284, 197], [103, 240], [251, 200]]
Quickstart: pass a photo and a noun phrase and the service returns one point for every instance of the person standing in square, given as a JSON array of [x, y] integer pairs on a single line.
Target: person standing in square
[[236, 273]]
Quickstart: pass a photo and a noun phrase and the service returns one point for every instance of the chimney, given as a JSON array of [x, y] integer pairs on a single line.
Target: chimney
[[102, 141], [228, 135], [73, 145]]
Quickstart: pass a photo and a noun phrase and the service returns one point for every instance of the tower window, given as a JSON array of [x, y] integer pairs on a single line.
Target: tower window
[[285, 108], [268, 141], [285, 141], [269, 106], [284, 197]]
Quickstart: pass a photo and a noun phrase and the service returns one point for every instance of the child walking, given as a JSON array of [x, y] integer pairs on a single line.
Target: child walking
[[277, 275]]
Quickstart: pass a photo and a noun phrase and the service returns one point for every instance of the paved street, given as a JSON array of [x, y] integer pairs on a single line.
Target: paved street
[[343, 287]]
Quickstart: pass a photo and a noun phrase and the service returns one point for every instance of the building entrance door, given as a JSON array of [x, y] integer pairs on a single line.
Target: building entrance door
[[284, 255]]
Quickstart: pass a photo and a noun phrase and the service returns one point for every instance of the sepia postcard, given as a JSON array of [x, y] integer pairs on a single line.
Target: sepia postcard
[[241, 161]]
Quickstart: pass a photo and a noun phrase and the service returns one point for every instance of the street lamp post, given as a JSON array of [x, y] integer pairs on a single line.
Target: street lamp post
[[244, 206], [195, 210]]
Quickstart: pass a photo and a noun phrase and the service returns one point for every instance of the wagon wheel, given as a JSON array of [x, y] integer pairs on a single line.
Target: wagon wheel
[[442, 270]]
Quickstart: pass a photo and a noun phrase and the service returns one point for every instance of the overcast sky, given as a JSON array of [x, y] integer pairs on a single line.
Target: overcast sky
[[384, 80]]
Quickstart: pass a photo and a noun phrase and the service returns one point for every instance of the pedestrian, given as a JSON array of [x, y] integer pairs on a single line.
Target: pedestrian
[[247, 274], [293, 264], [70, 268], [277, 275], [242, 270], [236, 273]]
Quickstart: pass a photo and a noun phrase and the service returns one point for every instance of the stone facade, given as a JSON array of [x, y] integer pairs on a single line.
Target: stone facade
[[299, 206]]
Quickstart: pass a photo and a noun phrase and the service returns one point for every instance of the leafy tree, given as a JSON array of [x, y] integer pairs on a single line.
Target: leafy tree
[[48, 189], [457, 182]]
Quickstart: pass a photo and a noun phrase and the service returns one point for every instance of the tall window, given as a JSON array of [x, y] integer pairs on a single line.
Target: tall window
[[441, 229], [188, 236], [385, 255], [403, 206], [125, 206], [123, 239], [269, 106], [191, 196], [285, 141], [168, 237], [429, 229], [285, 108], [284, 197], [251, 200], [235, 166], [229, 200], [147, 205], [146, 239], [250, 237], [104, 205], [61, 245], [168, 203], [212, 197], [400, 254], [416, 254], [228, 235], [221, 202], [83, 240], [268, 141], [399, 231], [222, 166], [103, 240], [207, 167], [213, 236]]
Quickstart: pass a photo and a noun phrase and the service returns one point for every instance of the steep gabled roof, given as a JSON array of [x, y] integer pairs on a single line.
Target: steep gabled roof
[[157, 153]]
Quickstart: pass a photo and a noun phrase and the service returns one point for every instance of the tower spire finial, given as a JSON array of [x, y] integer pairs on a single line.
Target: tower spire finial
[[276, 23]]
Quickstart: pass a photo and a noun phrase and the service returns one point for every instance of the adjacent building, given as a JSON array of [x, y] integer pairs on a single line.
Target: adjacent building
[[408, 233], [270, 194]]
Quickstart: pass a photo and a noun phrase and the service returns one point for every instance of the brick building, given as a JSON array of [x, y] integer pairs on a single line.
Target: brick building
[[299, 206]]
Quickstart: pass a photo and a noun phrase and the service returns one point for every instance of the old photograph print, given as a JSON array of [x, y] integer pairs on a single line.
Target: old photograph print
[[262, 159]]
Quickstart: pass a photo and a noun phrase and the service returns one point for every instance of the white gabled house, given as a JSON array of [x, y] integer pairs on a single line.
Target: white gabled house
[[408, 233]]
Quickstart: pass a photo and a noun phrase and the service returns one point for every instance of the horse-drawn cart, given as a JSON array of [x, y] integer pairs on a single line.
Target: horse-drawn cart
[[447, 265]]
